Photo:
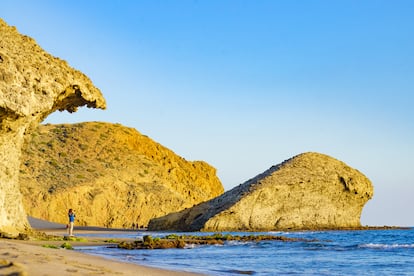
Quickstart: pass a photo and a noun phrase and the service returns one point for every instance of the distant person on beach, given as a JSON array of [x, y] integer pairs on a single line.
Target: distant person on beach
[[71, 216]]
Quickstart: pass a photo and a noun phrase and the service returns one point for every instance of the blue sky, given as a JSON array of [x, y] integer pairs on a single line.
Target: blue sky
[[245, 85]]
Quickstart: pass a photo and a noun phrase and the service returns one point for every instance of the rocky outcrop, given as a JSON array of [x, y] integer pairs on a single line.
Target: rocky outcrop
[[33, 84], [112, 176], [308, 191], [183, 241]]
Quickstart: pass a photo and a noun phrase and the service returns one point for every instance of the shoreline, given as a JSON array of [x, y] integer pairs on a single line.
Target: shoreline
[[36, 257], [44, 257], [21, 258]]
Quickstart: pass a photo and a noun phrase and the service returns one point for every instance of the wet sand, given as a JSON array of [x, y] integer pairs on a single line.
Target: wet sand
[[32, 258]]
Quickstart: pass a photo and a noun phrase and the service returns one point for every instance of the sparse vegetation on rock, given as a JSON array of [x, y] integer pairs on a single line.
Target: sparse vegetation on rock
[[111, 175]]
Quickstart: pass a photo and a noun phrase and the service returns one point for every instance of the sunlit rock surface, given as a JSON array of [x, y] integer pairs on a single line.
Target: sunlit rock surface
[[112, 175], [308, 191], [33, 84]]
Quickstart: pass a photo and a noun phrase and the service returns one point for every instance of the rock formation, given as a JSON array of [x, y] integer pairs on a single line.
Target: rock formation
[[33, 84], [308, 191], [112, 176]]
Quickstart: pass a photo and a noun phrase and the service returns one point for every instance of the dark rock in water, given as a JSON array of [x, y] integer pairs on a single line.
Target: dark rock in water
[[308, 191], [176, 241]]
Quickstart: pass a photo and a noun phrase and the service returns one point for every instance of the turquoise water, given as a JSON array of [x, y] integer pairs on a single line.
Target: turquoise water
[[368, 252]]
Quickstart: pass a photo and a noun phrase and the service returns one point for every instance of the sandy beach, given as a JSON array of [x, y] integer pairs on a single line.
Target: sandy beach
[[32, 258]]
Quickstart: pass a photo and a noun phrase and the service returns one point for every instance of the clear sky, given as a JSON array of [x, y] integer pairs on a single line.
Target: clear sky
[[245, 85]]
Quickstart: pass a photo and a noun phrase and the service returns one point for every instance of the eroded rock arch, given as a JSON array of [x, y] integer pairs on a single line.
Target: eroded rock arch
[[33, 84]]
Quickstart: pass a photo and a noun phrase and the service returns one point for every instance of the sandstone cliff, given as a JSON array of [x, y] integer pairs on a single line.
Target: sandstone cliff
[[308, 191], [33, 84], [112, 175]]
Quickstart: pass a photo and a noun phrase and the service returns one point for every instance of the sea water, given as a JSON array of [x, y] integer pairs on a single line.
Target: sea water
[[365, 252]]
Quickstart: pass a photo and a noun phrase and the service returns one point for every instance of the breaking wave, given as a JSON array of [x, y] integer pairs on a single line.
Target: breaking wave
[[386, 246]]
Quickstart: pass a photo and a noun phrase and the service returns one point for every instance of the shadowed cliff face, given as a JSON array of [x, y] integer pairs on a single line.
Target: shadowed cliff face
[[33, 84], [308, 191], [112, 175]]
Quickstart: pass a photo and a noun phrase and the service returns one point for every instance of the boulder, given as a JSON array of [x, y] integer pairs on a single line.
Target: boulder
[[308, 191], [112, 175], [33, 84]]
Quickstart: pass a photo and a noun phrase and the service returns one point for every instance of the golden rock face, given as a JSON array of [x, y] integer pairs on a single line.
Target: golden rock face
[[308, 191], [33, 84], [112, 175]]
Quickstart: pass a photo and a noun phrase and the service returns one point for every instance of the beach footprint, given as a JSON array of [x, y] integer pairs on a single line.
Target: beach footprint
[[11, 268]]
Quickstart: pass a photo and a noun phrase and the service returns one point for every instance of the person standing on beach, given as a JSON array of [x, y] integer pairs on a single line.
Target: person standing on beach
[[71, 216]]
